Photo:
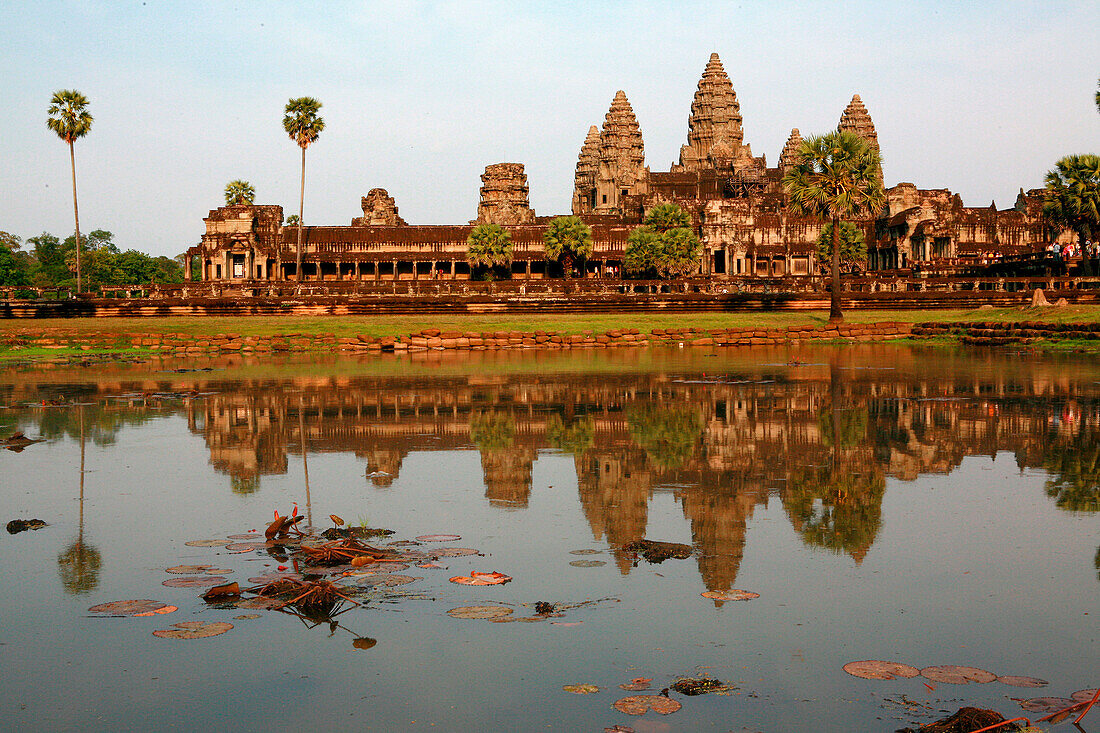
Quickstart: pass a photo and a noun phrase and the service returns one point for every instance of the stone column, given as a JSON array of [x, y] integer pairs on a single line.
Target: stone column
[[186, 266]]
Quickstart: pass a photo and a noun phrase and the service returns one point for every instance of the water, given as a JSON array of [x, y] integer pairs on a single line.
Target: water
[[925, 506]]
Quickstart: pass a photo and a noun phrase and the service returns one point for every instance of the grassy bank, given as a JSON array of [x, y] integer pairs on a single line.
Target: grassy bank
[[21, 339], [377, 326]]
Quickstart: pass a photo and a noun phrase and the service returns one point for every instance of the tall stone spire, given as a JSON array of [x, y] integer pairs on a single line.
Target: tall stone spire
[[584, 181], [621, 156], [714, 128], [789, 156], [504, 196], [856, 119]]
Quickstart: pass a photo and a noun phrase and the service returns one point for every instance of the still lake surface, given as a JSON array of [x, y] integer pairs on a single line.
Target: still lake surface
[[931, 506]]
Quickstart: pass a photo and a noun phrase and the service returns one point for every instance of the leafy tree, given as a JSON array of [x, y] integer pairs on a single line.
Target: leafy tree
[[836, 176], [1073, 195], [568, 239], [239, 192], [70, 119], [292, 220], [302, 124], [853, 245], [10, 241], [664, 246], [489, 247], [52, 264], [13, 269]]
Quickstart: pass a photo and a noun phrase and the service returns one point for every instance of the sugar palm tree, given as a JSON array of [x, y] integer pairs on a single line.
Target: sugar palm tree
[[568, 239], [239, 192], [835, 177], [1073, 196], [70, 119], [303, 126], [489, 246]]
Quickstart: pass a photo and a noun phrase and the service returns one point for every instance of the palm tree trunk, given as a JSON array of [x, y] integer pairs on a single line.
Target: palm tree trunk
[[301, 213], [835, 316], [76, 216]]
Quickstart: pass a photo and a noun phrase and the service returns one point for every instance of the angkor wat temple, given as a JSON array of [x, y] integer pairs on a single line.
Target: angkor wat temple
[[734, 197]]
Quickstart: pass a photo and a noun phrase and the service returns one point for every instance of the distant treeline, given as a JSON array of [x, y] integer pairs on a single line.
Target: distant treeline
[[46, 261]]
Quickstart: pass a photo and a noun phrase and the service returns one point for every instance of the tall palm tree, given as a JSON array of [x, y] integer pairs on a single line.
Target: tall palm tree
[[568, 239], [70, 119], [489, 246], [1073, 196], [835, 177], [303, 125]]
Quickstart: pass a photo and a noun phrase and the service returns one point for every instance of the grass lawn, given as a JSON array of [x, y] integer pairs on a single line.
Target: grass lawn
[[403, 325]]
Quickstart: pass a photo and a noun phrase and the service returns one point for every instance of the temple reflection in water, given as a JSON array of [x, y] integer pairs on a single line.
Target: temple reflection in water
[[820, 438]]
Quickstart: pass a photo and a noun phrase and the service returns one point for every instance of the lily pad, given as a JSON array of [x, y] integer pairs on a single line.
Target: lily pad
[[129, 608], [382, 568], [438, 538], [247, 546], [584, 552], [480, 612], [637, 685], [730, 595], [207, 543], [159, 611], [476, 578], [196, 581], [386, 581], [1017, 681], [874, 669], [246, 536], [954, 675], [248, 616], [260, 603], [187, 569], [194, 630], [455, 552], [585, 688], [1084, 695], [1046, 704], [364, 642], [639, 704], [587, 563]]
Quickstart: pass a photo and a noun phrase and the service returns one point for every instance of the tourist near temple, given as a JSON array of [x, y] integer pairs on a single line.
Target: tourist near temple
[[734, 197]]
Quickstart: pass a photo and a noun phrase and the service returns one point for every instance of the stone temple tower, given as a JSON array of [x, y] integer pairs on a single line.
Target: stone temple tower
[[620, 164], [504, 199], [715, 136], [790, 150], [856, 119], [584, 181]]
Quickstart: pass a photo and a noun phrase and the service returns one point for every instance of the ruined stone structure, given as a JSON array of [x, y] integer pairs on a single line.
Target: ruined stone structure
[[736, 201], [504, 196]]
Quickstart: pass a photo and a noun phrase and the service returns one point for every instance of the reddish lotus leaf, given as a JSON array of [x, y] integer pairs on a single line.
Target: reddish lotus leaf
[[248, 616], [479, 612], [454, 552], [584, 552], [386, 581], [1084, 695], [587, 563], [187, 569], [618, 728], [584, 688], [566, 623], [246, 536], [198, 581], [1017, 681], [635, 686], [1046, 704], [128, 608], [207, 543], [431, 565], [730, 595], [361, 560], [954, 675], [438, 538], [379, 569], [873, 669], [476, 578], [194, 630], [639, 704], [229, 590], [364, 642], [159, 611], [218, 571]]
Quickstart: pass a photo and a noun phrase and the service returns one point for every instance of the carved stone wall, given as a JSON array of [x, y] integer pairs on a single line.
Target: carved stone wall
[[504, 196]]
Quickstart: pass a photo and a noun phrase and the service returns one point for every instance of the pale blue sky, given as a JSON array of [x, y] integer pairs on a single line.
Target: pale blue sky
[[981, 98]]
